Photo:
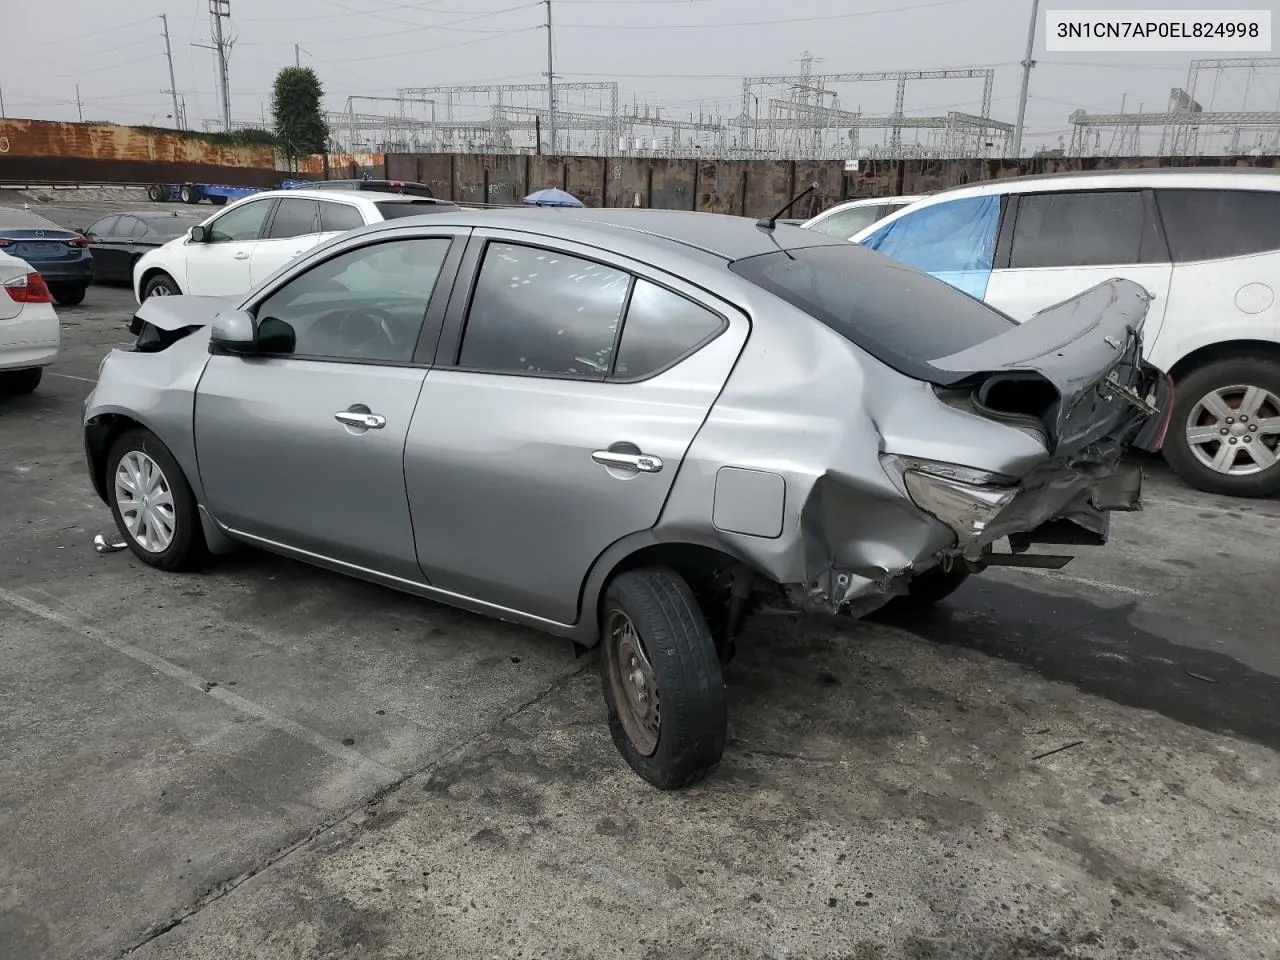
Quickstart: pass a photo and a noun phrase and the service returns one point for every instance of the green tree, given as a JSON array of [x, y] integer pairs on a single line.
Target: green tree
[[296, 107]]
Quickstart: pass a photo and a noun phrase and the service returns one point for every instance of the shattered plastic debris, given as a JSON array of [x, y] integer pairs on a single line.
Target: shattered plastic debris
[[102, 545]]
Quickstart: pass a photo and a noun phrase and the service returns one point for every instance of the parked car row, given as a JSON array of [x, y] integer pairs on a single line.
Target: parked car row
[[1205, 244]]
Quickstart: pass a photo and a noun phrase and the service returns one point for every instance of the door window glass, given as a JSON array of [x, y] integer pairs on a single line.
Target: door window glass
[[106, 227], [295, 217], [337, 217], [131, 228], [847, 222], [365, 304], [955, 241], [1210, 224], [538, 311], [1104, 228], [241, 224], [661, 326]]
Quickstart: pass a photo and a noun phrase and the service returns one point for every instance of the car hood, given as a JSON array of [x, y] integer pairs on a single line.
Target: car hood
[[176, 313]]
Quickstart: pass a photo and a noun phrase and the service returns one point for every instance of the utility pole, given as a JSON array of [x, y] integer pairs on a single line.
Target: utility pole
[[79, 108], [173, 84], [1027, 64], [551, 86], [220, 10], [297, 56]]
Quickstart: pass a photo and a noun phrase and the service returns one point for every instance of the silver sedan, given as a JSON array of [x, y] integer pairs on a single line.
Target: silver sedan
[[630, 428]]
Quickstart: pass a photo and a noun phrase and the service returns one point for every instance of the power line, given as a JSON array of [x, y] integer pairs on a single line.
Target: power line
[[416, 29], [761, 23], [448, 46]]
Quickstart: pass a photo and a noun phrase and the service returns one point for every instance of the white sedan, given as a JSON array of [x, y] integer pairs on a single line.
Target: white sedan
[[247, 241], [29, 332]]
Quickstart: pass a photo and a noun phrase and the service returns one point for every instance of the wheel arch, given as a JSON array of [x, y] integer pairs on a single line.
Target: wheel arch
[[691, 558], [100, 433], [151, 273], [1224, 350]]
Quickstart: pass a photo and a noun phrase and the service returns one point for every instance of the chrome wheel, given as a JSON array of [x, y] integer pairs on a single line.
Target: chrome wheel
[[635, 691], [1235, 430], [145, 502], [160, 290]]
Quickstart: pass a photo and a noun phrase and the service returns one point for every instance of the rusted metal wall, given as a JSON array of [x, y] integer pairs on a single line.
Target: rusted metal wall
[[347, 166]]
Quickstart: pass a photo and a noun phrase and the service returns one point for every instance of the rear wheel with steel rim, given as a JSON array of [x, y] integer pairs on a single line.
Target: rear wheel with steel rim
[[1224, 436], [157, 193], [152, 504], [668, 713]]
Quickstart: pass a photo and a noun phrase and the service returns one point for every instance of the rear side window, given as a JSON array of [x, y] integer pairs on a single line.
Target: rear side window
[[538, 311], [106, 227], [1104, 228], [895, 313], [848, 222], [1210, 224], [336, 217], [660, 328]]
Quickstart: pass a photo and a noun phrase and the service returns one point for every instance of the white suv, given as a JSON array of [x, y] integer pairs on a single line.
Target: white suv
[[1204, 243], [247, 241], [844, 220]]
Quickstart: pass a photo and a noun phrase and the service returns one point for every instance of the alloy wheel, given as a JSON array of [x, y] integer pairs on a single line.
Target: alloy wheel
[[1235, 430], [145, 502]]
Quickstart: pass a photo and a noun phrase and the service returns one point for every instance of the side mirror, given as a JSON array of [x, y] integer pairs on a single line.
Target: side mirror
[[234, 331], [199, 233]]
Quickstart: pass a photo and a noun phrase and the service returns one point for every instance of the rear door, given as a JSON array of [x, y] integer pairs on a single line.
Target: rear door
[[294, 227], [107, 246], [1056, 245], [568, 386]]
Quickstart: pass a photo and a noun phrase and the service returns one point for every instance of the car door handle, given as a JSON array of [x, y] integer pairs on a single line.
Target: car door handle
[[370, 421], [643, 462], [242, 255]]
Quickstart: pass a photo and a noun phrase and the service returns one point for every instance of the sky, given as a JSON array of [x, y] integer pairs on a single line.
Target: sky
[[686, 55]]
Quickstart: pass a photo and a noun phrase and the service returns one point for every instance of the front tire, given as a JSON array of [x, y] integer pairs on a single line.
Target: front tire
[[668, 711], [15, 382], [1224, 435], [157, 193], [152, 503], [67, 296], [161, 285]]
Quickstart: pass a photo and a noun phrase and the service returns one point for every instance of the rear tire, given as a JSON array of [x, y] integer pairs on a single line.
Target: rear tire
[[668, 711], [218, 201], [67, 296], [157, 193], [15, 382], [931, 587], [161, 285], [152, 503], [1231, 387], [188, 194]]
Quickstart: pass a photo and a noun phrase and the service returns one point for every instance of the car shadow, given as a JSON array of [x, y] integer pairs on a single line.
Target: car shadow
[[1099, 651]]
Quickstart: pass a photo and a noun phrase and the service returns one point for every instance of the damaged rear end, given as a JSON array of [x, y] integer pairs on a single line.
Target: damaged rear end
[[987, 429]]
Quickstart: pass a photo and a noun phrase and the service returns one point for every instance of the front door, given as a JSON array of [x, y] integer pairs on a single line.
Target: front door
[[1063, 243], [219, 267], [303, 444], [562, 424]]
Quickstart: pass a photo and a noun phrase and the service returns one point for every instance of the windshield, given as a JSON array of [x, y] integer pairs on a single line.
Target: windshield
[[897, 314]]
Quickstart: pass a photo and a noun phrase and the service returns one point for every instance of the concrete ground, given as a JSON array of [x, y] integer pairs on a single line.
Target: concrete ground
[[269, 761]]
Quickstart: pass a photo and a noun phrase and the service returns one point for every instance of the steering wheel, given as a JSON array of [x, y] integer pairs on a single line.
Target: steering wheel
[[358, 326]]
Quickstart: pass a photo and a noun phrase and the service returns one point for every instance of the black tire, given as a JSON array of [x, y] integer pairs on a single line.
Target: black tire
[[158, 282], [689, 689], [157, 193], [188, 194], [186, 550], [15, 382], [1194, 387], [67, 296], [931, 587], [218, 201]]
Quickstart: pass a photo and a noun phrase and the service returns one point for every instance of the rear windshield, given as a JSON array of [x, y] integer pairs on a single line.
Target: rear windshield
[[390, 209], [408, 189], [11, 219], [897, 314]]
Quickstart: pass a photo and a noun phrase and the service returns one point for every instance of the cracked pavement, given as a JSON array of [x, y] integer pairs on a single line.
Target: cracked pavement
[[271, 761]]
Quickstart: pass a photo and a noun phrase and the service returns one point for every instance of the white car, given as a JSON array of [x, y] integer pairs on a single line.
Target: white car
[[29, 331], [846, 219], [1205, 243], [247, 241]]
